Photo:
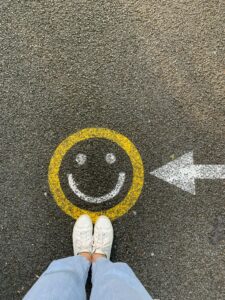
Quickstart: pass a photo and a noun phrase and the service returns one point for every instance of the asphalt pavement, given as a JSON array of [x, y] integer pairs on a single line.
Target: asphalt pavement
[[150, 70]]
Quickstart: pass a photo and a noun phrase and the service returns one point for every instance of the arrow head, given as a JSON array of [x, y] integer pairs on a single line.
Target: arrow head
[[180, 172]]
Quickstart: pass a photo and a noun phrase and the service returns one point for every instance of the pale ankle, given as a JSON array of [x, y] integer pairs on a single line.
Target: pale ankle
[[97, 256], [87, 255]]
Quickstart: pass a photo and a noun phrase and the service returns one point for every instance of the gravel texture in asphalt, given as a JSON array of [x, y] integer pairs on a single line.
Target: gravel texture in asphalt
[[151, 70]]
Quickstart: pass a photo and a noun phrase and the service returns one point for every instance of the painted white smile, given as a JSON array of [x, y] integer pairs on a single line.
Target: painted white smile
[[74, 187]]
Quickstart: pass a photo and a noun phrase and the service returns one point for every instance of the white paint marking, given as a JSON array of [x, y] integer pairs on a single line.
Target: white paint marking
[[106, 197], [182, 172], [110, 158], [81, 159]]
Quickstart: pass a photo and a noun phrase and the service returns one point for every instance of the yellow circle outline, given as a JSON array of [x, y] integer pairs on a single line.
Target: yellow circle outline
[[102, 133]]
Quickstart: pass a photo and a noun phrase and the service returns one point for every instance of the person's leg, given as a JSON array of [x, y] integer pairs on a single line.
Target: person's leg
[[112, 281], [115, 281], [64, 279]]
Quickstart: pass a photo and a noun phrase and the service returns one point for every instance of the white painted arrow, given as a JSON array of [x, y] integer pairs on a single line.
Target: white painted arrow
[[182, 172]]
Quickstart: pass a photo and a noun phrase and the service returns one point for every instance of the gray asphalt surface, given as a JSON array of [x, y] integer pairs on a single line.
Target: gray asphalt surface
[[151, 70]]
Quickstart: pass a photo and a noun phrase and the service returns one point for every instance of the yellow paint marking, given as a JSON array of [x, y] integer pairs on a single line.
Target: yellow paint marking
[[100, 133]]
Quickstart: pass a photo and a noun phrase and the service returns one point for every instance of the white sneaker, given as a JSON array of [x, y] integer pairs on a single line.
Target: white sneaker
[[82, 235], [103, 236]]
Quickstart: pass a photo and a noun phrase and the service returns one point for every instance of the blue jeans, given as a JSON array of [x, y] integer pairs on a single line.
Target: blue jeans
[[65, 279]]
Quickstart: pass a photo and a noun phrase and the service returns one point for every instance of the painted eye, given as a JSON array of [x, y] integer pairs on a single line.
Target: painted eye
[[110, 158], [81, 159]]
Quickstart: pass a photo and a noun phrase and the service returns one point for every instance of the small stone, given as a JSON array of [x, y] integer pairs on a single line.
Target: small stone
[[172, 156], [134, 212], [152, 254]]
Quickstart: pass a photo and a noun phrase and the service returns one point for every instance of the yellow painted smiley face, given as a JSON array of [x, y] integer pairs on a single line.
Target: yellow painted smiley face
[[96, 133]]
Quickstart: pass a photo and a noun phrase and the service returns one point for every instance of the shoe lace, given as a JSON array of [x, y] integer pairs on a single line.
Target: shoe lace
[[83, 240], [100, 241]]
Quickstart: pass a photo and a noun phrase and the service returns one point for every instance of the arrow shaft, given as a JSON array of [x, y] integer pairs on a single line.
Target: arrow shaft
[[209, 171], [182, 172]]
